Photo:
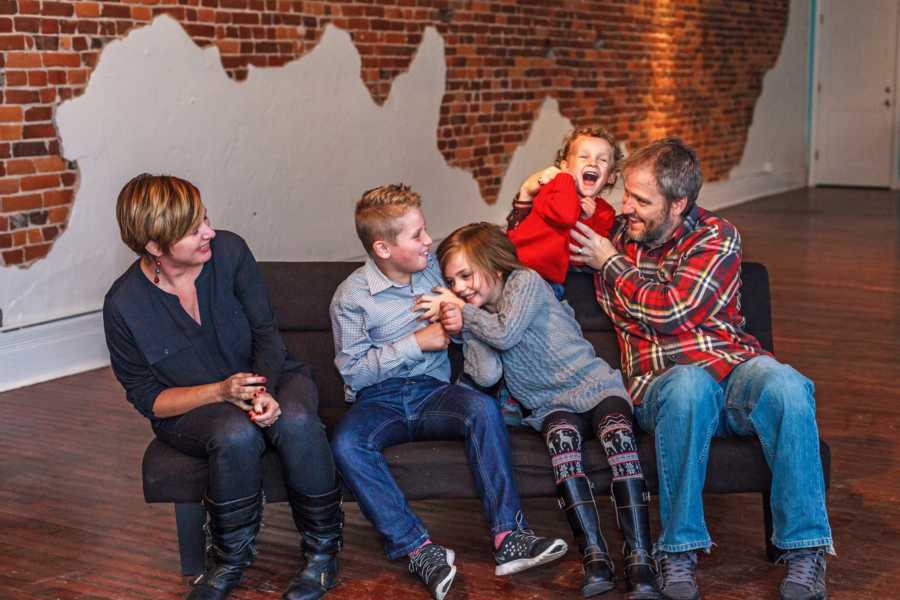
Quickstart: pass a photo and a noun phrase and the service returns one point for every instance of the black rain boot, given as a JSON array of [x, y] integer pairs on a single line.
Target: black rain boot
[[577, 499], [320, 520], [233, 526], [632, 502]]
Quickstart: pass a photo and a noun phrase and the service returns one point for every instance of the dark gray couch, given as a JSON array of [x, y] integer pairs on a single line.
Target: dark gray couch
[[301, 292]]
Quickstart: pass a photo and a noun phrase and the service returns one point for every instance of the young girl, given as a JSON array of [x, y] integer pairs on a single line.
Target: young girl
[[513, 326]]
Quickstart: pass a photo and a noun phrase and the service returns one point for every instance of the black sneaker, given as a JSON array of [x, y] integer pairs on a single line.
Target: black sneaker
[[433, 564], [805, 579], [522, 549]]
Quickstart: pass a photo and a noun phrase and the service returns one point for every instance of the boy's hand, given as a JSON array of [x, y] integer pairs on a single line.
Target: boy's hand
[[451, 318], [430, 306], [588, 206], [534, 183], [432, 338]]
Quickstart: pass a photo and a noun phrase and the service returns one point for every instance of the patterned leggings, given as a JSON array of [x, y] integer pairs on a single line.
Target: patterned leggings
[[611, 421]]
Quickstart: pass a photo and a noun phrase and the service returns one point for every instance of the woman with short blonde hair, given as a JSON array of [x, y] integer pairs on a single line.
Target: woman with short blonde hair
[[193, 340]]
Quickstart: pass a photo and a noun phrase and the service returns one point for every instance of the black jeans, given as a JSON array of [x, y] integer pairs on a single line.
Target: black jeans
[[588, 422], [224, 435]]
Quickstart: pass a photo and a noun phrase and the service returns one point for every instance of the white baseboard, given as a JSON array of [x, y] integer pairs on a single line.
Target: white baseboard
[[43, 352], [736, 190]]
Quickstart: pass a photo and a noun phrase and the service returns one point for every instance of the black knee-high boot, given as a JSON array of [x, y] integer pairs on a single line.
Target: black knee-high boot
[[577, 499], [631, 500], [319, 520], [233, 526]]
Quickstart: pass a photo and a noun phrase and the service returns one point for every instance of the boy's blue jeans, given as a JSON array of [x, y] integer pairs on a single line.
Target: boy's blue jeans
[[686, 407], [423, 408]]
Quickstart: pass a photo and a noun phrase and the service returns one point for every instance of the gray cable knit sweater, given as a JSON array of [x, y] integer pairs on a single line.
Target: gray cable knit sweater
[[535, 341]]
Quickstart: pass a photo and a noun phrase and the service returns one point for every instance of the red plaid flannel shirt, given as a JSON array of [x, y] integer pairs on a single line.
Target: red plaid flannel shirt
[[677, 303]]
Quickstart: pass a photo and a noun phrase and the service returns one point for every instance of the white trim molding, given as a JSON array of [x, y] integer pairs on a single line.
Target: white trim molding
[[39, 353], [737, 190]]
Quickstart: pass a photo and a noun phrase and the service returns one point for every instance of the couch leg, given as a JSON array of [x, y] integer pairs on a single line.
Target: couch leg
[[190, 517], [772, 551]]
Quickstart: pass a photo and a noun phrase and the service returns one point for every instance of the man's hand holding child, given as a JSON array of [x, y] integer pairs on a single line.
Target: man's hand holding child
[[595, 249]]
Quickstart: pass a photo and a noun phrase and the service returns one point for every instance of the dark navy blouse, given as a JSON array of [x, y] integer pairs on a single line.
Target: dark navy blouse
[[154, 344]]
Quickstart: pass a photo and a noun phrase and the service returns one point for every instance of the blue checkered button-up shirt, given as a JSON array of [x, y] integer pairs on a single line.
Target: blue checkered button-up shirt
[[374, 328]]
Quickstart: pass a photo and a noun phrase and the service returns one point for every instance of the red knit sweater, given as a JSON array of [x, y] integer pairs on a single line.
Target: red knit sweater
[[542, 238]]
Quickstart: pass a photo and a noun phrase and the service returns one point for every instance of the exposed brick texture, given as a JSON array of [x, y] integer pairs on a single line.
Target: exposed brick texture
[[644, 68]]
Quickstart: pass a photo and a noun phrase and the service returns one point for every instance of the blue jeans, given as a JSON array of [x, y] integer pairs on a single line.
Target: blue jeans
[[686, 407], [559, 290], [399, 410]]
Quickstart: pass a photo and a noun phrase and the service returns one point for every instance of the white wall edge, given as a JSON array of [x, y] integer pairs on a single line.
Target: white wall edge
[[721, 194], [817, 14], [42, 352]]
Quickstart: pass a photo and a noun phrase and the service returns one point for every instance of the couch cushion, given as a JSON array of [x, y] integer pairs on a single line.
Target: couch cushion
[[172, 476], [301, 292], [440, 470], [316, 349], [580, 295], [756, 303]]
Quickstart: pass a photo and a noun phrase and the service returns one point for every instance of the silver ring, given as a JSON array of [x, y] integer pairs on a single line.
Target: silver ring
[[581, 250]]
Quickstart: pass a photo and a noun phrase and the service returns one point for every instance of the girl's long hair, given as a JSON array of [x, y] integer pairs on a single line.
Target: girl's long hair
[[486, 247]]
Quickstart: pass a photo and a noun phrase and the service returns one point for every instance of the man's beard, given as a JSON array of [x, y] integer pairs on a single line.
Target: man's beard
[[651, 235]]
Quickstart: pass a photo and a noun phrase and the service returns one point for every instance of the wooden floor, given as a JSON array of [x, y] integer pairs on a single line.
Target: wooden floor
[[73, 524]]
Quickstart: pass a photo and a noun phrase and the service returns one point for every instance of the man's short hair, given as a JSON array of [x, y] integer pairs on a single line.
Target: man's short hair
[[675, 166], [159, 208], [595, 132], [379, 209]]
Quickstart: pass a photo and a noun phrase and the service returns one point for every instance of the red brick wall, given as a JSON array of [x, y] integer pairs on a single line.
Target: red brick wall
[[644, 68]]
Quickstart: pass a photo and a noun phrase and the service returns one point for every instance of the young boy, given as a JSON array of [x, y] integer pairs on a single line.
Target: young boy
[[551, 201], [396, 367]]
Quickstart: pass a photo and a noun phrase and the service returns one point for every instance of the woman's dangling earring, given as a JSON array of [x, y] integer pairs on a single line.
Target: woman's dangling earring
[[156, 275]]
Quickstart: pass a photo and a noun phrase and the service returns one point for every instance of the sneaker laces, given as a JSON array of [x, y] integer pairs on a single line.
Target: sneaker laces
[[427, 560], [803, 567], [525, 536], [678, 567], [521, 534]]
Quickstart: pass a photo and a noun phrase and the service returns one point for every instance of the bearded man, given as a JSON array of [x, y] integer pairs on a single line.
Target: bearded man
[[669, 279]]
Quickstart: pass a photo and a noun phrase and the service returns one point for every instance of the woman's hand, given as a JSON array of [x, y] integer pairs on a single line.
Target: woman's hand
[[451, 318], [241, 388], [430, 306], [265, 410]]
